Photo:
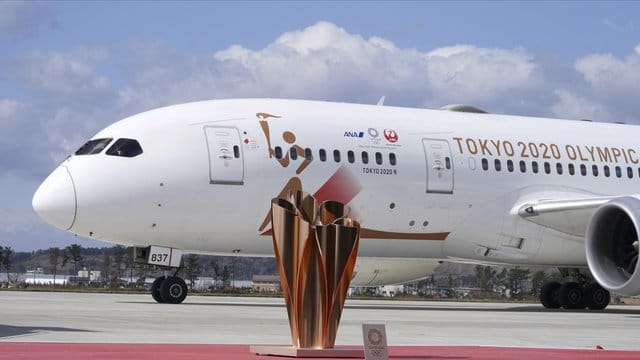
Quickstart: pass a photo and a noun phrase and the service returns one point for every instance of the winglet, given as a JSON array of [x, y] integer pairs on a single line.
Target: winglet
[[381, 101]]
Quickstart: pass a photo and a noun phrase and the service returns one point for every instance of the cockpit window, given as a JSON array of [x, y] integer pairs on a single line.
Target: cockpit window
[[125, 148], [92, 147]]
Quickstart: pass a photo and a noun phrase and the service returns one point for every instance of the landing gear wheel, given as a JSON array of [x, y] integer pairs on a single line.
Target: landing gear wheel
[[155, 289], [597, 298], [571, 296], [549, 295], [173, 290]]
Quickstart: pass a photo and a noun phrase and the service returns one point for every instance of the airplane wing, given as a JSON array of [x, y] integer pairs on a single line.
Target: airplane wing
[[570, 215]]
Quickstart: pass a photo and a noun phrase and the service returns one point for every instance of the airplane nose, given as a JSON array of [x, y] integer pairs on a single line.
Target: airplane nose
[[55, 199]]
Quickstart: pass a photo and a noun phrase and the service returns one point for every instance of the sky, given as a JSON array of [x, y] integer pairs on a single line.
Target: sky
[[68, 69]]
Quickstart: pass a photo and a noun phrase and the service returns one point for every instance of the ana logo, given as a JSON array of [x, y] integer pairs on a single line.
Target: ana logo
[[354, 134], [390, 135]]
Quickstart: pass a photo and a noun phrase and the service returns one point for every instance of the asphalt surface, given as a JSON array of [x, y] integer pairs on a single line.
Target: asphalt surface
[[109, 318]]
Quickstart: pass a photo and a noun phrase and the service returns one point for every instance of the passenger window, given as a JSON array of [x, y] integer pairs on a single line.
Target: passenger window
[[351, 157], [392, 159], [629, 172], [583, 169], [308, 154], [336, 155], [323, 155], [594, 169], [510, 165], [559, 168], [618, 171], [485, 164], [92, 147], [497, 164], [125, 148], [365, 157], [278, 152], [447, 163], [607, 172], [547, 168], [378, 158], [572, 169], [534, 167], [293, 153], [523, 166], [236, 151]]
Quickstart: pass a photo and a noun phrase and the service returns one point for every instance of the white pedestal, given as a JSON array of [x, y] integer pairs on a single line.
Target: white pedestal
[[290, 351]]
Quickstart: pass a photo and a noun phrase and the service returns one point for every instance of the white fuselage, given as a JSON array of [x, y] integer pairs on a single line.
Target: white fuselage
[[208, 171]]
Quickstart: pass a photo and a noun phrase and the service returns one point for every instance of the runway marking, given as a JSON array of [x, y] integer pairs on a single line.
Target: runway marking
[[120, 351]]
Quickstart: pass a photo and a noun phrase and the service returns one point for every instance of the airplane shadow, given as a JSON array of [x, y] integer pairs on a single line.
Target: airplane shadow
[[9, 330], [511, 309], [520, 309], [207, 304]]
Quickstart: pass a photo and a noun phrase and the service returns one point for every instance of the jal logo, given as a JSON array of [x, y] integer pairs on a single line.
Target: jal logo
[[354, 134], [390, 135]]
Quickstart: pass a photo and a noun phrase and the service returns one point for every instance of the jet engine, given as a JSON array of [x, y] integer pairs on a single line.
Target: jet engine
[[611, 244]]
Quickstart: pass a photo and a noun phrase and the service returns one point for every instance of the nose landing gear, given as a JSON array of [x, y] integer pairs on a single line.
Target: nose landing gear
[[169, 290], [165, 289]]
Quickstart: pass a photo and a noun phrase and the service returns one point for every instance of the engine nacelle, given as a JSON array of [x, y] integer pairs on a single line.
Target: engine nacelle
[[611, 244], [385, 271]]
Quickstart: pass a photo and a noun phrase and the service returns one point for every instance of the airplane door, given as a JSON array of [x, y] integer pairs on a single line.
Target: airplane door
[[439, 166], [226, 165]]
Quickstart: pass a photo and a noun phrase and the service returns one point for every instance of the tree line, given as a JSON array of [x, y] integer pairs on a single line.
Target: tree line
[[515, 283], [117, 262], [6, 254]]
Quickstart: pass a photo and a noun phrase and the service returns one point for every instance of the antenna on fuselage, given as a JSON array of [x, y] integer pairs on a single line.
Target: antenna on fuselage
[[381, 101], [463, 108]]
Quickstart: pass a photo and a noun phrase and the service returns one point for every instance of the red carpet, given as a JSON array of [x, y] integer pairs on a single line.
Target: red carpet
[[70, 351]]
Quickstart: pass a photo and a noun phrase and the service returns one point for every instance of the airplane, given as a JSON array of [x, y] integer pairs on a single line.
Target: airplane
[[455, 184]]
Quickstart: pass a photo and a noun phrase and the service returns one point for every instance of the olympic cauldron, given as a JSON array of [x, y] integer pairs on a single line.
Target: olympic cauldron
[[315, 249]]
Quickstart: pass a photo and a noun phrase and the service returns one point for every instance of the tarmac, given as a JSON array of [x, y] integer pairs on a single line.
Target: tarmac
[[32, 322]]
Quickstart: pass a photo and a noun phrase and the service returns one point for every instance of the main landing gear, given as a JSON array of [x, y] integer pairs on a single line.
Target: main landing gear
[[169, 289], [579, 294]]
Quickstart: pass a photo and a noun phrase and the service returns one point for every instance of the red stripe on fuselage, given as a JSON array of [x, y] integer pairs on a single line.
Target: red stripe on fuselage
[[342, 186]]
